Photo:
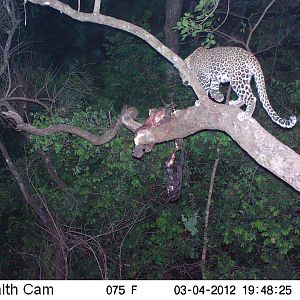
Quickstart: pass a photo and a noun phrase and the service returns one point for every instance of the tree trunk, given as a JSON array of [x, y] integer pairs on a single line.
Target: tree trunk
[[59, 259], [173, 10]]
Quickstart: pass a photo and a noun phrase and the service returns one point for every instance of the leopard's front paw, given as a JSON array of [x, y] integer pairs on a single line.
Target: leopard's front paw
[[219, 98]]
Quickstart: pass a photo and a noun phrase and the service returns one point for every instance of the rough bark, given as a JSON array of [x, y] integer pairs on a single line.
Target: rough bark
[[173, 12], [249, 134]]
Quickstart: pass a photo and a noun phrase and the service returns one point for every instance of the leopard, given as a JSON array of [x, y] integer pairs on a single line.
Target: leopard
[[237, 66]]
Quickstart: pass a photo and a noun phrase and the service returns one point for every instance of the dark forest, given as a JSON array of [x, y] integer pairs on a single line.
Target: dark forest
[[111, 170]]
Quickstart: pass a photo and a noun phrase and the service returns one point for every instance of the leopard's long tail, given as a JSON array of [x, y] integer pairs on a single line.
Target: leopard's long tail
[[261, 88]]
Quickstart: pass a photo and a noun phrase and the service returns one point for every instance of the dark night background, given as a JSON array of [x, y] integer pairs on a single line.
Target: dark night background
[[106, 214]]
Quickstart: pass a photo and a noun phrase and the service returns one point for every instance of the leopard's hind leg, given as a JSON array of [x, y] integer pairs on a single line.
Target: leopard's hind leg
[[245, 96]]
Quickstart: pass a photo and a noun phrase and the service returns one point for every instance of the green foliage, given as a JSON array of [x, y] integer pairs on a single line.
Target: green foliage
[[260, 223], [56, 142], [200, 21], [291, 90], [120, 202], [190, 223], [134, 73]]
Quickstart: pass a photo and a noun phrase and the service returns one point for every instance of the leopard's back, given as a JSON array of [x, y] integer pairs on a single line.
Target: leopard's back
[[237, 66], [220, 61]]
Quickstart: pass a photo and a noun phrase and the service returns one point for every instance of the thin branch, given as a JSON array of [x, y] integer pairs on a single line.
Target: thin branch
[[211, 12], [29, 200], [9, 80], [84, 243], [257, 23], [226, 16], [97, 6], [5, 99], [51, 170], [14, 26], [125, 236], [230, 38], [207, 212], [278, 42]]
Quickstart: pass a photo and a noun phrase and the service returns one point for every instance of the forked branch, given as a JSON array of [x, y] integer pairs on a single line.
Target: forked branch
[[255, 140]]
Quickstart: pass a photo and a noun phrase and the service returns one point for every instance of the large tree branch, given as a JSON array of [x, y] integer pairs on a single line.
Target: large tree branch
[[255, 140], [98, 18], [127, 114], [249, 134]]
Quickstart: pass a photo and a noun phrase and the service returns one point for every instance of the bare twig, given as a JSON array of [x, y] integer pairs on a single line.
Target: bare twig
[[226, 16], [51, 170], [257, 23], [278, 43], [14, 25], [5, 99], [207, 212], [88, 242], [230, 38]]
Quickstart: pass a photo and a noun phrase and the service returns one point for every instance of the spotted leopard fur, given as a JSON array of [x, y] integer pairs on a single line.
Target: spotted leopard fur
[[237, 66]]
